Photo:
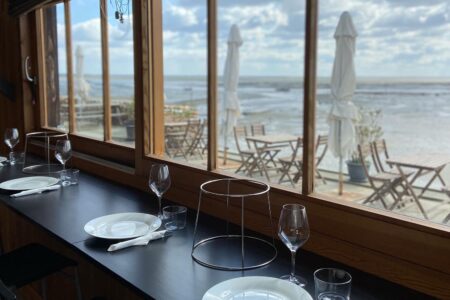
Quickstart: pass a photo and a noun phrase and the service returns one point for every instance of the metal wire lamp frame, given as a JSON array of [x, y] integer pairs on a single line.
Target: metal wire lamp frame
[[204, 190]]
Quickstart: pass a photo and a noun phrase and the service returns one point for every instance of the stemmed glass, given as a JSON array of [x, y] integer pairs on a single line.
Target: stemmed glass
[[11, 140], [63, 152], [159, 182], [293, 230]]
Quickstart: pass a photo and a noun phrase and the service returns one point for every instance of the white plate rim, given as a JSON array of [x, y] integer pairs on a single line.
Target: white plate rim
[[154, 227], [50, 181], [213, 293]]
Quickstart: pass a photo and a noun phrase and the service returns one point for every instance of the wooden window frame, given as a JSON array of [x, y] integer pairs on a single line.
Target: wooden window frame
[[360, 236], [402, 249], [106, 148]]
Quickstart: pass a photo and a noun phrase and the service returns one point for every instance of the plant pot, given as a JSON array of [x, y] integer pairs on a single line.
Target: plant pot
[[130, 131], [356, 171]]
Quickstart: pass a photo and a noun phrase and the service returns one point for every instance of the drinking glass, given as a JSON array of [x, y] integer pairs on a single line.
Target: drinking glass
[[11, 140], [63, 152], [332, 284], [159, 182], [293, 230]]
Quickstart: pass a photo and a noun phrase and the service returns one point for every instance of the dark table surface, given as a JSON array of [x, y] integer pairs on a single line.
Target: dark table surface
[[164, 269]]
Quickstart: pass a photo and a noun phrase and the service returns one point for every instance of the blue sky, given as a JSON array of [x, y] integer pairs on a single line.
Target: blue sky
[[395, 38]]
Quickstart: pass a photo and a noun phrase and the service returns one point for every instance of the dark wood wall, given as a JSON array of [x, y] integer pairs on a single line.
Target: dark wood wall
[[16, 109], [10, 109]]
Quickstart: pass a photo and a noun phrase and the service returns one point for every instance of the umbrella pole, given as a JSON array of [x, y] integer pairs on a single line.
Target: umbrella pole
[[225, 139], [341, 180]]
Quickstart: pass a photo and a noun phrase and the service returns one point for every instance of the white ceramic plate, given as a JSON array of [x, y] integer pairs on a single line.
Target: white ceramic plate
[[256, 288], [122, 226], [28, 183]]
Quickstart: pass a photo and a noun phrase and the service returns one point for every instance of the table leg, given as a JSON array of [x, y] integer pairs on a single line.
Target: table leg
[[410, 188], [436, 175]]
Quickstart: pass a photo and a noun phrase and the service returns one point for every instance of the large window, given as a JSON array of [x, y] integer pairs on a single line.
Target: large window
[[89, 68], [54, 44], [260, 90], [400, 94], [121, 72], [185, 86]]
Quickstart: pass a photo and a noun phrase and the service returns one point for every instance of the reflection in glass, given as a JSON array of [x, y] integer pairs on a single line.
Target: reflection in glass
[[185, 85], [87, 65], [400, 96], [56, 67], [121, 72], [260, 89]]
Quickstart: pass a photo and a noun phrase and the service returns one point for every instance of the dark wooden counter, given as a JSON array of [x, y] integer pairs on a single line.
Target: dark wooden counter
[[163, 269]]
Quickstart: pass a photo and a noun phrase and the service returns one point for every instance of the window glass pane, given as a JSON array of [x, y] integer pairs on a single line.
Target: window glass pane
[[87, 67], [185, 69], [56, 67], [121, 69], [402, 102], [260, 70]]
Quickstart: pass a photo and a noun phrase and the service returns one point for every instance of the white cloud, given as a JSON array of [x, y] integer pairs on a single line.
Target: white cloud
[[396, 37], [186, 16]]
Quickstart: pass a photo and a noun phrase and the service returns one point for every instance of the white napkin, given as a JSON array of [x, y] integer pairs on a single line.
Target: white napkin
[[140, 241], [36, 191]]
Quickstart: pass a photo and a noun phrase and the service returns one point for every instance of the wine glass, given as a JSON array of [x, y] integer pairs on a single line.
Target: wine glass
[[159, 182], [293, 230], [11, 140], [63, 152]]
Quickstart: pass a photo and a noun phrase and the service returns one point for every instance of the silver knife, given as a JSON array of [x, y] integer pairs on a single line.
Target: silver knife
[[36, 191]]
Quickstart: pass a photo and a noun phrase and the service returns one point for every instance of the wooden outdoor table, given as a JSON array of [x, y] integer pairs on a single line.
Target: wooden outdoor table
[[273, 139], [423, 164], [267, 147]]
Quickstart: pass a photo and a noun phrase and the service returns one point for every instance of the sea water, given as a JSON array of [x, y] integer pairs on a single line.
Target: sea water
[[415, 112]]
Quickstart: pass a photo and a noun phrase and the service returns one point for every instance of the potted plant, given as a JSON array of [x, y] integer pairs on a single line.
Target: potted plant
[[367, 130], [129, 122]]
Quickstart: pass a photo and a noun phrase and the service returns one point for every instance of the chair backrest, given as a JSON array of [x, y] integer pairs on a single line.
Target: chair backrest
[[365, 154], [258, 129], [240, 131], [321, 147], [193, 126], [380, 151], [197, 134], [298, 148]]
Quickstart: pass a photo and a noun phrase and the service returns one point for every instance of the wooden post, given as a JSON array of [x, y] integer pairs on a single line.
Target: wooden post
[[309, 120], [70, 92], [212, 84], [107, 122], [157, 78]]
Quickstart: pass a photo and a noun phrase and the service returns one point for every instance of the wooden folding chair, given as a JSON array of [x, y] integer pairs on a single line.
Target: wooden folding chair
[[382, 183], [249, 161], [175, 141], [258, 129], [321, 150], [380, 154], [268, 153], [194, 138], [289, 162]]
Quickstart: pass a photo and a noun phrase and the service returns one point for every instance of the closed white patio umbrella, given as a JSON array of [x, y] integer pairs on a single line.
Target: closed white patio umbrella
[[81, 85], [342, 140], [231, 105]]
